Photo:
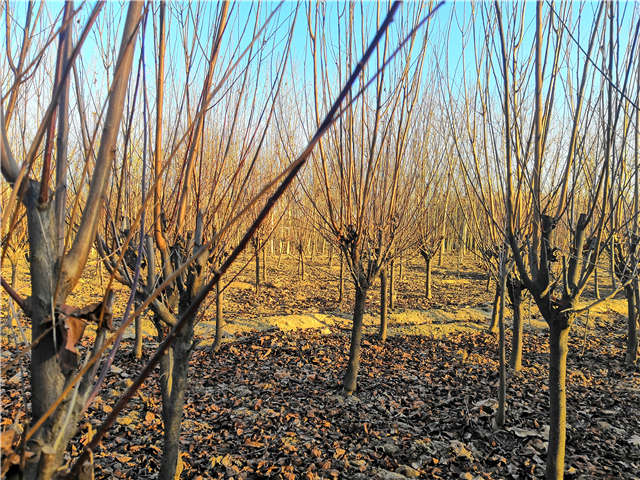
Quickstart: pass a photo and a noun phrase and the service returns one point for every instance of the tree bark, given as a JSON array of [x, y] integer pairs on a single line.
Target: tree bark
[[173, 401], [515, 296], [138, 339], [257, 259], [631, 355], [558, 343], [441, 250], [391, 286], [47, 378], [596, 283], [351, 375], [341, 279], [502, 387], [219, 319], [427, 275], [383, 306], [493, 326], [612, 263]]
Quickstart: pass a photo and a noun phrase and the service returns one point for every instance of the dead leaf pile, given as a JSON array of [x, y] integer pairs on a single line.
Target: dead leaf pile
[[270, 405]]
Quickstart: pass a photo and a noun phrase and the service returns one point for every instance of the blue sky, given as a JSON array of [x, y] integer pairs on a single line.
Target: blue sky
[[451, 26]]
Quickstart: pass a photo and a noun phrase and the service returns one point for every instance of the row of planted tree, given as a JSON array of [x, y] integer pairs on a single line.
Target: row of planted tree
[[182, 135]]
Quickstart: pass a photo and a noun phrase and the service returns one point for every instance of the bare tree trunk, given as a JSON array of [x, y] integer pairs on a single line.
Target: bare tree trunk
[[47, 378], [391, 286], [137, 351], [301, 266], [558, 342], [341, 279], [631, 355], [612, 264], [257, 259], [441, 250], [427, 274], [219, 319], [493, 326], [264, 264], [173, 402], [596, 283], [383, 305], [351, 375], [502, 388], [515, 296]]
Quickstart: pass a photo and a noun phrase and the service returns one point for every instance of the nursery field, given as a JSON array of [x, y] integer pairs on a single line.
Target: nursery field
[[269, 403]]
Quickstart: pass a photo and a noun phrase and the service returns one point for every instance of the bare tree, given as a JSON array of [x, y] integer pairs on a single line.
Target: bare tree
[[56, 269], [541, 190], [366, 179], [229, 161]]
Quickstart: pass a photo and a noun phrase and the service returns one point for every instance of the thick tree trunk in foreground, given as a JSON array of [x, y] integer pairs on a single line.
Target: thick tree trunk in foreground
[[515, 296], [47, 378], [175, 374], [53, 276], [351, 375], [384, 318], [558, 343]]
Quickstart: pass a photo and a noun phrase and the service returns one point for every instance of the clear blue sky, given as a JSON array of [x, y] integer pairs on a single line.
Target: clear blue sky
[[451, 27]]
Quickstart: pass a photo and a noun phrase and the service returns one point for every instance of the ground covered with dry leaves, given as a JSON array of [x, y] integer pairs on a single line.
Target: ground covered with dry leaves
[[269, 405]]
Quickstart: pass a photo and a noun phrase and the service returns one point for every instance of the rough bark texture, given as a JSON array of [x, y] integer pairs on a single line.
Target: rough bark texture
[[515, 296], [173, 394], [47, 378], [558, 343], [384, 318], [351, 375]]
